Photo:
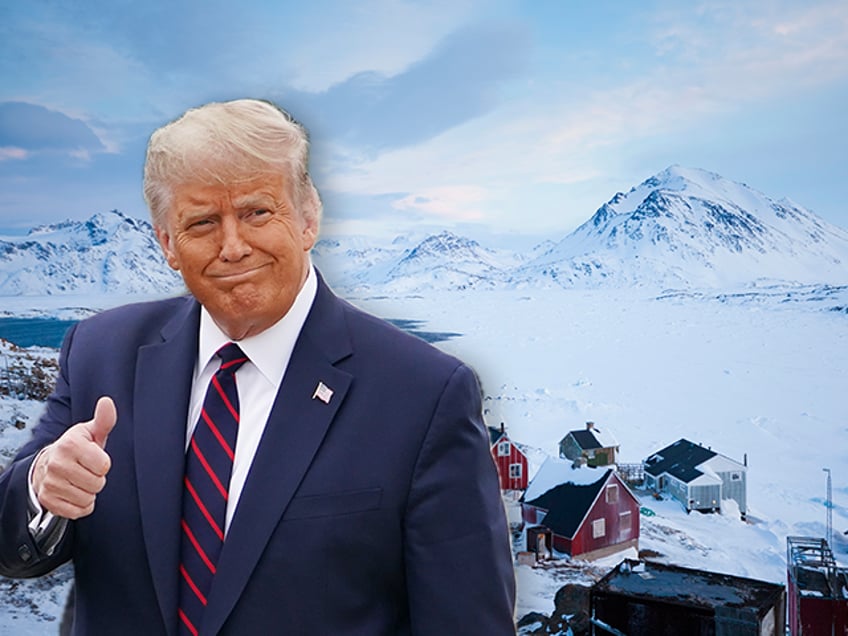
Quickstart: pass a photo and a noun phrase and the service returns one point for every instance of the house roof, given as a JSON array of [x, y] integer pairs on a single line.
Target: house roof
[[495, 434], [568, 503], [555, 471], [680, 460], [687, 587], [591, 439]]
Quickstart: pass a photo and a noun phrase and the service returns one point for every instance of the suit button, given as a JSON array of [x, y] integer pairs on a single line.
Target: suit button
[[25, 553]]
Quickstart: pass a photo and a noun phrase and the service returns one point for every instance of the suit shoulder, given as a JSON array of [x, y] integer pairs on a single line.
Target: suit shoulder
[[135, 320]]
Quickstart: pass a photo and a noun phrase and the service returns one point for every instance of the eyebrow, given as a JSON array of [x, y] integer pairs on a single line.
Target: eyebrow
[[253, 200]]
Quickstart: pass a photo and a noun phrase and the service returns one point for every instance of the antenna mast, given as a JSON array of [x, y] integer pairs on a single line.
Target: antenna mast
[[829, 505]]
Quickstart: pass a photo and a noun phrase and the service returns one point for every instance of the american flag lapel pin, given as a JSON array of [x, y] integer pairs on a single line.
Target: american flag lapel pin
[[323, 393]]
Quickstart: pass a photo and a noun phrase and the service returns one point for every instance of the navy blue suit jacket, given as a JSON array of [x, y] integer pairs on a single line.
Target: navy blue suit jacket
[[377, 513]]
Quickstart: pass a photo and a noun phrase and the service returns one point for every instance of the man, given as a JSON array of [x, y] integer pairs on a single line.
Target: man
[[357, 494]]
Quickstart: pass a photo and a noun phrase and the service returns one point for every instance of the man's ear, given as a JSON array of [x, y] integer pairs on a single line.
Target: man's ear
[[167, 248], [309, 232]]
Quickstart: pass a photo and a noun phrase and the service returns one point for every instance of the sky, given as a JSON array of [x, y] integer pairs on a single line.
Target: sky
[[501, 119]]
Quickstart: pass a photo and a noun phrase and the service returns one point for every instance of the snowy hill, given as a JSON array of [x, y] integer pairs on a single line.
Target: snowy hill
[[108, 253], [438, 261], [683, 228], [686, 227], [351, 262], [450, 261]]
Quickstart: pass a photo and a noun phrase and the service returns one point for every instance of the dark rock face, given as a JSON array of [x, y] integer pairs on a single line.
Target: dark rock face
[[571, 611]]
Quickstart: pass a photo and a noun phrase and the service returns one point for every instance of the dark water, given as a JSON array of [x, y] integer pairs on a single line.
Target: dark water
[[49, 332], [28, 332], [414, 327]]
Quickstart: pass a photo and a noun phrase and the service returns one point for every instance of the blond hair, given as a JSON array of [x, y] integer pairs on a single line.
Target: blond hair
[[228, 142]]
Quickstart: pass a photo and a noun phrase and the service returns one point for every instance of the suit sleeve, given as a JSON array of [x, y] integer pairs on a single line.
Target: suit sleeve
[[458, 560], [20, 555]]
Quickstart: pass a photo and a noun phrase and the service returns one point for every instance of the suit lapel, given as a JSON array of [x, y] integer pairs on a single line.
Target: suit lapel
[[162, 387], [296, 427]]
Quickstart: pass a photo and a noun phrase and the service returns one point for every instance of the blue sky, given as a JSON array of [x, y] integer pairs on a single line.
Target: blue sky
[[499, 119]]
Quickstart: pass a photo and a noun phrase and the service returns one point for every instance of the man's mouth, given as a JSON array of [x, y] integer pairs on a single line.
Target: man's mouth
[[238, 275]]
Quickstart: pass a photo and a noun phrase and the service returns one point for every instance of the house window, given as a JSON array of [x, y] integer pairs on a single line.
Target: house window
[[599, 528], [503, 449], [625, 522], [515, 471], [612, 493]]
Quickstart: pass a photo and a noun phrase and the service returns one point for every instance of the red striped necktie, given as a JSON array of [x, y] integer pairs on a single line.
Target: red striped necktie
[[209, 463]]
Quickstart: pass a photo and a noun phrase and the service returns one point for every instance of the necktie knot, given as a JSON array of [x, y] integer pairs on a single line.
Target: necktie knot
[[232, 357]]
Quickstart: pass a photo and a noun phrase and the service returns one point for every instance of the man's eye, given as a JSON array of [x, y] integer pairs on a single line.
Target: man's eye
[[261, 212]]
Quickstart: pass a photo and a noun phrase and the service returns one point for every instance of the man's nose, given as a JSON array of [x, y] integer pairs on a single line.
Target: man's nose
[[234, 247]]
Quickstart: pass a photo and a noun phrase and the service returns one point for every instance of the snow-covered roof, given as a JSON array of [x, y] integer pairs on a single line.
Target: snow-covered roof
[[705, 479], [687, 461], [591, 438], [554, 472], [605, 437], [723, 464]]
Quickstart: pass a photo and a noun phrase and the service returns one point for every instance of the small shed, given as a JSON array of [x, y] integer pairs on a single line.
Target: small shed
[[509, 458], [697, 477], [590, 512], [595, 446], [652, 598]]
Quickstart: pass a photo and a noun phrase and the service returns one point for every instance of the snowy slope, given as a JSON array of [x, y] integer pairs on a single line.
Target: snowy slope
[[438, 261], [751, 376], [108, 253], [692, 228]]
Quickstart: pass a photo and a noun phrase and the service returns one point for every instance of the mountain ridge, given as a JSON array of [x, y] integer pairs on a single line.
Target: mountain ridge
[[691, 227], [682, 228], [107, 253]]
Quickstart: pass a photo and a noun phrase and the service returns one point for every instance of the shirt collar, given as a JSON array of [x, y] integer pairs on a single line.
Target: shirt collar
[[269, 350]]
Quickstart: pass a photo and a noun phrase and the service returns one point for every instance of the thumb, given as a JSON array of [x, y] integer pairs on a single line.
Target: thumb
[[105, 417]]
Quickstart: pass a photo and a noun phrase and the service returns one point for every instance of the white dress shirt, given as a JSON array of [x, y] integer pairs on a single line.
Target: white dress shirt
[[257, 381]]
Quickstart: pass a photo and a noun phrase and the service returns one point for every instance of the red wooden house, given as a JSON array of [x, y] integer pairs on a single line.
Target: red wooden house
[[510, 460], [590, 512]]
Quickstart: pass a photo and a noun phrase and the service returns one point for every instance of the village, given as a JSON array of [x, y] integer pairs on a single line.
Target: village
[[585, 507]]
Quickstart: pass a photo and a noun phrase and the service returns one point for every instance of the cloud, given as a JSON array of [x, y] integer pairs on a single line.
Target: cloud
[[460, 80], [385, 37], [454, 202], [30, 127], [10, 152], [756, 49]]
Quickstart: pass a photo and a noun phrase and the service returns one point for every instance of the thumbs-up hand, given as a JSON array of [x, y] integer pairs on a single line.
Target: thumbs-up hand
[[69, 473]]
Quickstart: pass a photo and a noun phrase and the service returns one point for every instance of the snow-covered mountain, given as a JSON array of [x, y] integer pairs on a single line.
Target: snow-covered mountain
[[687, 227], [108, 253], [438, 261], [449, 261], [683, 228]]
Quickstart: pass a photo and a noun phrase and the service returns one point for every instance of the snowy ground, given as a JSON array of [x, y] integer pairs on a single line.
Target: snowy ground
[[745, 375]]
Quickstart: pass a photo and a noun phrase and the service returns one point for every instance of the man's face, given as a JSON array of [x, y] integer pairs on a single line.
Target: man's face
[[241, 249]]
